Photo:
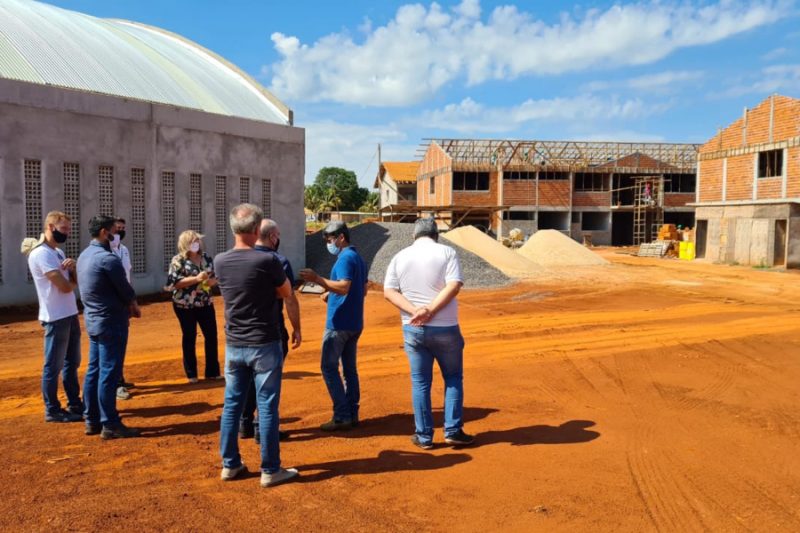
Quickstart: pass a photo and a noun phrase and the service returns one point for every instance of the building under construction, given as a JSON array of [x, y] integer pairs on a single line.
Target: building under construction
[[604, 192]]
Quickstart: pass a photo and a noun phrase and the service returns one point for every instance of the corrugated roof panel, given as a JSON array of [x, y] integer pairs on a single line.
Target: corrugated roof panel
[[45, 44]]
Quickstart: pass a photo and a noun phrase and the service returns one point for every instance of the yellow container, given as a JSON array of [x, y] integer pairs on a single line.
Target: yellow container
[[689, 251], [682, 248]]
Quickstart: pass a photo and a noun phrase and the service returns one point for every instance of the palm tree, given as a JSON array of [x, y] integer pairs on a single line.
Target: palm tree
[[370, 204]]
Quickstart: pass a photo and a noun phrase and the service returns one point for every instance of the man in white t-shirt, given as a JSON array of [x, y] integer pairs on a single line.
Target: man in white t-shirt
[[121, 251], [423, 281], [55, 279]]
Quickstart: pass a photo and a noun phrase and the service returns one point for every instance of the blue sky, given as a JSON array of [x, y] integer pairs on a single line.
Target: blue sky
[[360, 73]]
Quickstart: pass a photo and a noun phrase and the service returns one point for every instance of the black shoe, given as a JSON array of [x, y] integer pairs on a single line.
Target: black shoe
[[419, 444], [75, 410], [93, 429], [246, 430], [336, 425], [119, 432], [460, 439], [62, 416], [354, 421], [283, 435]]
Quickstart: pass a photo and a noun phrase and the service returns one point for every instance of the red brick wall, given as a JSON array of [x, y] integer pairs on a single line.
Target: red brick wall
[[785, 125], [478, 197], [711, 180], [793, 171], [678, 199], [740, 177], [519, 192], [769, 188], [435, 160], [554, 193], [591, 199]]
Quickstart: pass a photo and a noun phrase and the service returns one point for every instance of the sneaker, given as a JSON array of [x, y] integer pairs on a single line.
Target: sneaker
[[119, 432], [283, 435], [123, 394], [93, 429], [246, 430], [336, 425], [62, 416], [228, 474], [281, 476], [416, 441], [193, 381], [75, 410], [460, 439], [354, 421]]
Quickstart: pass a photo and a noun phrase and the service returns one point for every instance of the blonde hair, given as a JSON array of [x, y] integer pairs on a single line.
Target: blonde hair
[[186, 239], [54, 217]]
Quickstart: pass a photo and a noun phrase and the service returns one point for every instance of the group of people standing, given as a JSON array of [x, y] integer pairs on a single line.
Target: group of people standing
[[255, 281]]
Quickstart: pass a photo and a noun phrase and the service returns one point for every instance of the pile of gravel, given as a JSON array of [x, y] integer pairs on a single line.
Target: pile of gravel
[[378, 242]]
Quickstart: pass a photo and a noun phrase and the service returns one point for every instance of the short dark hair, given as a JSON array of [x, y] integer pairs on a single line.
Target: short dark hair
[[120, 220], [336, 228], [98, 223], [426, 227]]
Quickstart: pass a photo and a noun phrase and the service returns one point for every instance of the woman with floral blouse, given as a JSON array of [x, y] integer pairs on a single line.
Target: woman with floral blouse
[[190, 278]]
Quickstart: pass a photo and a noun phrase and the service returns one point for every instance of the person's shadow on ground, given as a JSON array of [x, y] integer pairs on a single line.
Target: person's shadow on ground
[[571, 432], [386, 461], [177, 388], [185, 409], [388, 425]]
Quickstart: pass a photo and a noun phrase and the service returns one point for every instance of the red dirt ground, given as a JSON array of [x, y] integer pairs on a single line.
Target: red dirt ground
[[650, 395]]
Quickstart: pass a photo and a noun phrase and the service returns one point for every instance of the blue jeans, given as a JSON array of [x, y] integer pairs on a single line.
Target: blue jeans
[[446, 346], [243, 364], [62, 354], [341, 345], [102, 375]]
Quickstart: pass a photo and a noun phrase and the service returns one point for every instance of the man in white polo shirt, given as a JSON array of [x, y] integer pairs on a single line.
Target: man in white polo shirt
[[55, 279], [423, 281]]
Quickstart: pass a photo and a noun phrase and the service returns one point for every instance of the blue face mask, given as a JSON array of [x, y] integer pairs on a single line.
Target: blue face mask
[[333, 249]]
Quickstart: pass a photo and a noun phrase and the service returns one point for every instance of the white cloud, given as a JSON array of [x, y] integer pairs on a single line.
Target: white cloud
[[661, 82], [772, 79], [774, 54], [422, 49], [470, 117], [354, 147]]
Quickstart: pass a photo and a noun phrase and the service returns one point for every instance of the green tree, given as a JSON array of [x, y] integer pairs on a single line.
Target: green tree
[[345, 185], [371, 203]]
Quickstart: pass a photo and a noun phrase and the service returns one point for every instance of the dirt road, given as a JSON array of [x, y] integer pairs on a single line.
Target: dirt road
[[649, 395]]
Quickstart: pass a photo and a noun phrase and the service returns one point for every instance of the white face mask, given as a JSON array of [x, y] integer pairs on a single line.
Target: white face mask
[[194, 247], [115, 241]]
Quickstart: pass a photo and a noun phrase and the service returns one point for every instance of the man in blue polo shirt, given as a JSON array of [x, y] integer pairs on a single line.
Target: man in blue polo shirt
[[346, 289]]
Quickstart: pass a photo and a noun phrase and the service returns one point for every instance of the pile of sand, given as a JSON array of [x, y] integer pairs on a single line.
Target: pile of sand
[[503, 259], [552, 248]]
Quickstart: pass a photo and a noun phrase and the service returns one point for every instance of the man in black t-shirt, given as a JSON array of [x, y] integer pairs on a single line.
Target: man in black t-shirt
[[250, 282]]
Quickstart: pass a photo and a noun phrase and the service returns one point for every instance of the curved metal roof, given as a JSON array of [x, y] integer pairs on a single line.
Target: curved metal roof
[[44, 44]]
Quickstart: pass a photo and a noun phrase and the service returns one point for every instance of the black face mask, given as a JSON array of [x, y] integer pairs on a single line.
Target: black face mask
[[121, 234], [59, 237]]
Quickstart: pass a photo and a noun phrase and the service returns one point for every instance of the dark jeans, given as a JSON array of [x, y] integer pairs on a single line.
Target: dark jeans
[[124, 351], [249, 410], [102, 376], [189, 319], [62, 354]]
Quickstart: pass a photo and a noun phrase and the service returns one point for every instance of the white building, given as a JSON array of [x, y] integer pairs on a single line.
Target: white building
[[116, 117]]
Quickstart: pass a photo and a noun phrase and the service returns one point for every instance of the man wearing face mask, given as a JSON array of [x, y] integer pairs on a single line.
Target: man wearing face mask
[[109, 301], [121, 251], [55, 279], [269, 240], [345, 294]]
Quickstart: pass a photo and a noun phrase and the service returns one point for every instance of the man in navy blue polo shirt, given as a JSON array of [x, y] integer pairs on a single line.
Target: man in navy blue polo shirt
[[346, 289]]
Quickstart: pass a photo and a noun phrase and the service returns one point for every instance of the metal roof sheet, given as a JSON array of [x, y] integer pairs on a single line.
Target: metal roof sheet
[[44, 44]]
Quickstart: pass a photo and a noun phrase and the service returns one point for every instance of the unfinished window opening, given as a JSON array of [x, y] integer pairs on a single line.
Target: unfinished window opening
[[518, 175], [71, 174], [558, 220], [595, 221], [553, 175], [196, 202], [168, 215], [591, 182], [138, 221], [266, 197], [432, 187], [470, 181], [244, 190], [220, 212], [105, 182], [683, 183], [770, 164], [519, 215]]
